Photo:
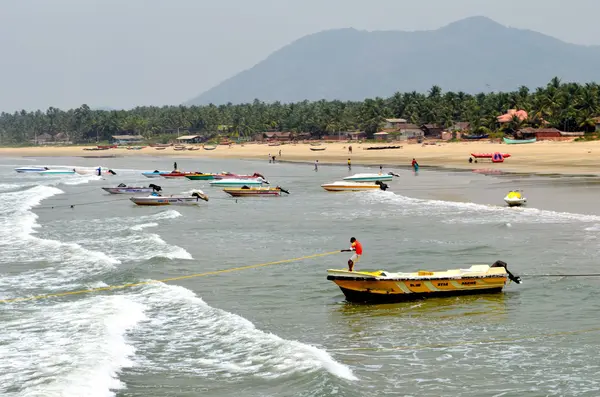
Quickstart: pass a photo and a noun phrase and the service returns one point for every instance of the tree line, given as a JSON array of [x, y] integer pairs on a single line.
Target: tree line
[[566, 106]]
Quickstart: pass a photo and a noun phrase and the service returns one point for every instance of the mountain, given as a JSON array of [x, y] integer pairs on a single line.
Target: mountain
[[472, 55]]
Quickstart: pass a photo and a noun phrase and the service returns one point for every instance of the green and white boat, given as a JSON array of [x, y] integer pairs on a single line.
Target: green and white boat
[[516, 141], [201, 177], [369, 177]]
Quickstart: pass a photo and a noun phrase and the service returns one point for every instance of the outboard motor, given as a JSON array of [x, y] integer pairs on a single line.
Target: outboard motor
[[283, 190], [155, 188], [511, 276], [382, 185], [112, 172], [122, 185], [393, 174]]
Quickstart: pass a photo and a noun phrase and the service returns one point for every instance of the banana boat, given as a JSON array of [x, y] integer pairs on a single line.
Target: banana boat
[[386, 287]]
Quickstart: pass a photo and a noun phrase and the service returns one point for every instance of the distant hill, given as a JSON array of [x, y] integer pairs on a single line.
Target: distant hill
[[472, 55]]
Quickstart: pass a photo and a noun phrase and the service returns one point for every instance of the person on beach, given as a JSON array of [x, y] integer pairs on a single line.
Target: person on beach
[[280, 153], [316, 165], [350, 149], [349, 165], [356, 247]]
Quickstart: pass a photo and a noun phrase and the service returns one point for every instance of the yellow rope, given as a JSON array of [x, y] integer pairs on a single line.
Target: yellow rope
[[130, 285]]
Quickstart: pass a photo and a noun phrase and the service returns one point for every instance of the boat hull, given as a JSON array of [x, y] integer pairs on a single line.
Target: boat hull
[[236, 183], [515, 202], [201, 177], [160, 201], [509, 141], [30, 169], [53, 172], [253, 192], [153, 174], [350, 187], [367, 297]]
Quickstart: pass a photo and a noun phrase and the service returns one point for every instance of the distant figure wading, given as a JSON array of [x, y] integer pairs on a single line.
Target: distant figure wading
[[316, 165]]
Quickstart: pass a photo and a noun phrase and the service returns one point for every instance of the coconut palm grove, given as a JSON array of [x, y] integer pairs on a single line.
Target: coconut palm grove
[[569, 107]]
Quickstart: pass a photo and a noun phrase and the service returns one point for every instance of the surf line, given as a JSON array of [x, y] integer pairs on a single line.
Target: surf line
[[165, 280]]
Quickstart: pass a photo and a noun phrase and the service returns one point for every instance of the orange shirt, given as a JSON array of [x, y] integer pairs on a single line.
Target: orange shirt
[[357, 247]]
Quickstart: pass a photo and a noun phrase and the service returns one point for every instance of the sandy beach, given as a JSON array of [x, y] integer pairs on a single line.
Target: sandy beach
[[577, 158]]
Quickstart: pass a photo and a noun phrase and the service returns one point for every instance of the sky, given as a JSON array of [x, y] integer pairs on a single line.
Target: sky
[[127, 53]]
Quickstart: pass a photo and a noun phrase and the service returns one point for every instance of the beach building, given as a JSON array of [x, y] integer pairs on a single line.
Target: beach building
[[189, 139]]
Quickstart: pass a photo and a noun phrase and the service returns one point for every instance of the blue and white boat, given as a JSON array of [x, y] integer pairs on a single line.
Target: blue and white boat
[[369, 177], [238, 182], [155, 174], [57, 172], [31, 169], [124, 189]]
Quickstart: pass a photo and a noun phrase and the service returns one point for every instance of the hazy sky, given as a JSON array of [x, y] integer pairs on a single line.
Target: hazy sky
[[123, 53]]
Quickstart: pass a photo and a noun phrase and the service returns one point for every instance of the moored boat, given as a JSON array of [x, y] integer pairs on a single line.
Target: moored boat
[[509, 141], [238, 182], [57, 172], [154, 174], [386, 287], [200, 177], [246, 191], [317, 149], [370, 177], [124, 189], [515, 198], [349, 186], [157, 200], [176, 174]]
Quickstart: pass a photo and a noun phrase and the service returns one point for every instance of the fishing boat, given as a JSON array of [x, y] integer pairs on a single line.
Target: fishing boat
[[31, 169], [209, 147], [515, 198], [238, 182], [317, 149], [154, 174], [193, 148], [246, 191], [509, 141], [349, 186], [160, 148], [124, 189], [156, 200], [57, 172], [387, 287], [369, 177]]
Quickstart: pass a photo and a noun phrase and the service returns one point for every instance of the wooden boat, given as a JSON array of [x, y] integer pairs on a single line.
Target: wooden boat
[[246, 191], [124, 189], [238, 182], [317, 149], [31, 169], [347, 186], [179, 148], [193, 148], [509, 141], [369, 177], [209, 147], [154, 174], [515, 198], [382, 147], [157, 200], [160, 148], [386, 287], [475, 137], [107, 146]]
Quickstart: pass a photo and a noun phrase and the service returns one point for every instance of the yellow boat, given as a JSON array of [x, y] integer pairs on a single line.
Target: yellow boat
[[349, 186], [386, 287]]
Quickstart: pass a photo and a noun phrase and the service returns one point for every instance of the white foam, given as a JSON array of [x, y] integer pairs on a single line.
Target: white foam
[[69, 349], [224, 344], [144, 226]]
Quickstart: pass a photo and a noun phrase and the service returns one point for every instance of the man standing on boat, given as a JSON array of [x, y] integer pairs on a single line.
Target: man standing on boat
[[356, 247]]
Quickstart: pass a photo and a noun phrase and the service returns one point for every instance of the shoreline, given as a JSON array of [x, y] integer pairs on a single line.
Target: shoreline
[[542, 158]]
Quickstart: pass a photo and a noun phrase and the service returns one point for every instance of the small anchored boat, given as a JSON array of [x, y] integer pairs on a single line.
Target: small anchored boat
[[177, 174], [515, 198], [154, 174], [370, 177], [387, 287], [348, 186], [510, 141], [124, 189], [238, 182], [317, 149], [31, 169], [246, 191], [156, 200]]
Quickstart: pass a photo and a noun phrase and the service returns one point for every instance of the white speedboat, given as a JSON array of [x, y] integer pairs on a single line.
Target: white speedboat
[[124, 189], [238, 182], [343, 186], [370, 177], [156, 200], [515, 198], [31, 169]]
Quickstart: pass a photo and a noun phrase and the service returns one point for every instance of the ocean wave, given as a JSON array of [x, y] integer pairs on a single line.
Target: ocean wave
[[143, 226], [75, 348], [218, 343]]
